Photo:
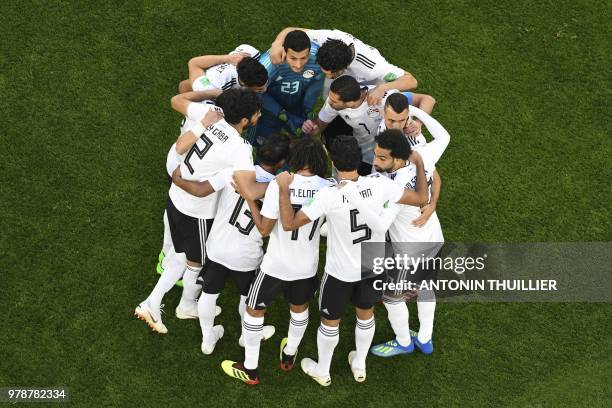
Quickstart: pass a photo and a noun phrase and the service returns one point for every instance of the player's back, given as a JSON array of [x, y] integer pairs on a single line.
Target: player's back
[[223, 76], [234, 241], [347, 229], [285, 247], [218, 148]]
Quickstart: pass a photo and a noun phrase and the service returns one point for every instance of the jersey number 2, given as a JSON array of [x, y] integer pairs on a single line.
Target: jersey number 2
[[200, 152]]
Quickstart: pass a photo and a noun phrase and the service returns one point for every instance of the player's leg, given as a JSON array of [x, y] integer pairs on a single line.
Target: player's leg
[[364, 297], [334, 294], [244, 282], [397, 312], [298, 293], [426, 307], [166, 246], [262, 291], [214, 277], [188, 307], [183, 231]]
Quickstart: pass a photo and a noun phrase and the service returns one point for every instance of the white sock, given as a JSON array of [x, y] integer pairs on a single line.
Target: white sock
[[426, 307], [169, 254], [297, 328], [206, 313], [252, 330], [397, 313], [327, 340], [191, 290], [242, 306], [172, 273], [364, 333], [167, 245]]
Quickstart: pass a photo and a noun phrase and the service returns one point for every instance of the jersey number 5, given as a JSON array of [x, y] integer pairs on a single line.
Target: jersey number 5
[[359, 227]]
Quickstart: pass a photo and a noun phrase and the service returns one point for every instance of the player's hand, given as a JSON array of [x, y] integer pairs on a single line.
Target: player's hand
[[426, 211], [176, 174], [212, 116], [234, 59], [375, 96], [284, 179], [413, 129], [310, 127], [277, 53], [415, 157]]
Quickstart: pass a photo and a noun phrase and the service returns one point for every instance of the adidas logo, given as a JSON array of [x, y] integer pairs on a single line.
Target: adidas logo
[[262, 304], [279, 78], [325, 311]]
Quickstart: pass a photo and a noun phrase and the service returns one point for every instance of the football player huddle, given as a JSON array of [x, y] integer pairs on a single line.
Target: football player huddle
[[252, 161]]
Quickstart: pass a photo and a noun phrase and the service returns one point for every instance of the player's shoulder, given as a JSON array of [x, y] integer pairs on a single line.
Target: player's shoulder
[[248, 49], [264, 60]]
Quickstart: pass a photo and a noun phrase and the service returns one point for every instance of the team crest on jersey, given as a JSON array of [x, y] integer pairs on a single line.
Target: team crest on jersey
[[309, 73], [373, 112]]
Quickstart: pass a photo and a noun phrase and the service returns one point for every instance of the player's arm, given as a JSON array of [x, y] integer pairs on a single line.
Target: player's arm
[[289, 218], [186, 141], [312, 94], [419, 196], [198, 188], [247, 185], [264, 225], [197, 65], [180, 102], [424, 102], [377, 221], [428, 209], [436, 147], [277, 52], [326, 115]]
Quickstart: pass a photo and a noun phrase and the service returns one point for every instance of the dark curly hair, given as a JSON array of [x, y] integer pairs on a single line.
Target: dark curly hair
[[308, 153], [238, 104], [274, 150], [394, 141], [334, 55], [345, 153], [251, 72]]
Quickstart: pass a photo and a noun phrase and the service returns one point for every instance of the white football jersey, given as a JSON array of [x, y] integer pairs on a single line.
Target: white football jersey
[[223, 76], [364, 120], [402, 229], [234, 240], [173, 160], [368, 67], [346, 228], [219, 147], [301, 245]]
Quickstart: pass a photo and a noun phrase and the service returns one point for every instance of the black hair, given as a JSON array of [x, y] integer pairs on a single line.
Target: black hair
[[345, 153], [334, 55], [308, 153], [251, 72], [394, 141], [347, 88], [238, 104], [296, 40], [397, 101], [274, 150]]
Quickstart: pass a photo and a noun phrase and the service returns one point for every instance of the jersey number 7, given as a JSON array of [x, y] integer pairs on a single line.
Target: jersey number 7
[[294, 233]]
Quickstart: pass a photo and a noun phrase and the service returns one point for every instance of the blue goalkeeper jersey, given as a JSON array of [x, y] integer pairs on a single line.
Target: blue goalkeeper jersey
[[294, 92]]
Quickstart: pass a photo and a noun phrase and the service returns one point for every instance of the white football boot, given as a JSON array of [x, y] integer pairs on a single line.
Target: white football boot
[[209, 346], [145, 313], [358, 374], [309, 366], [268, 331], [192, 313]]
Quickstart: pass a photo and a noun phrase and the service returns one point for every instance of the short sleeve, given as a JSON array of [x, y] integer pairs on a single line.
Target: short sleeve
[[220, 180], [327, 113], [393, 191], [385, 71], [196, 110], [241, 157], [319, 36], [270, 203], [315, 207], [249, 49]]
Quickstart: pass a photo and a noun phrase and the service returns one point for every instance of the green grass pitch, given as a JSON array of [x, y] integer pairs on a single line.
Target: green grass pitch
[[523, 87]]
